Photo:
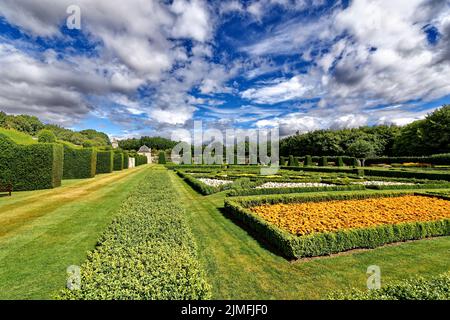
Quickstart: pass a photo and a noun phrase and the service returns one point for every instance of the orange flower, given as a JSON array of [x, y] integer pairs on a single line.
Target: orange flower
[[330, 216]]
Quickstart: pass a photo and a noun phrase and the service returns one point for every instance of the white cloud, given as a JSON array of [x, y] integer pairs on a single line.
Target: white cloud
[[285, 90], [192, 20]]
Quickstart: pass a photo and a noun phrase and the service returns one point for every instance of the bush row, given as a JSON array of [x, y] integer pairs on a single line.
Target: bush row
[[197, 185], [79, 163], [418, 288], [30, 167], [148, 252], [253, 192], [328, 243], [309, 161], [438, 159]]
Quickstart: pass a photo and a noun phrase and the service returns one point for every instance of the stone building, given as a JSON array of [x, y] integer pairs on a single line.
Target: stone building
[[147, 152]]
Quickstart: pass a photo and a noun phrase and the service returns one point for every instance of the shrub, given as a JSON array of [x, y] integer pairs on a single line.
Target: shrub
[[141, 160], [319, 244], [105, 162], [162, 158], [197, 185], [254, 192], [30, 167], [291, 161], [79, 163], [340, 162], [147, 253], [323, 162], [126, 158], [296, 162], [46, 136], [308, 161], [417, 288], [118, 161], [438, 159]]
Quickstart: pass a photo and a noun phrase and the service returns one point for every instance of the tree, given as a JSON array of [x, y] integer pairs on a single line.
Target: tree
[[46, 136], [361, 149]]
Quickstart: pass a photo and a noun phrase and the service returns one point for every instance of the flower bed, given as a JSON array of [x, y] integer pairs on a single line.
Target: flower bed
[[384, 183], [348, 225], [271, 185], [330, 216], [214, 182]]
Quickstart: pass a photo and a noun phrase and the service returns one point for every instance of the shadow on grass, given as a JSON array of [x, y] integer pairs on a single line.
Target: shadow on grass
[[262, 242]]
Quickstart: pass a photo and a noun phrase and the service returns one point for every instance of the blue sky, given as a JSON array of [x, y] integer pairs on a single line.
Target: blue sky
[[144, 67]]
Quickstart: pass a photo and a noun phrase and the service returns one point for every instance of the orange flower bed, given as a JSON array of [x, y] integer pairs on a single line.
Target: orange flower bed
[[330, 216]]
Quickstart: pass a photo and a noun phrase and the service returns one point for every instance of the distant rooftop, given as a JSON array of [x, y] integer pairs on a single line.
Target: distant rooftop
[[144, 149]]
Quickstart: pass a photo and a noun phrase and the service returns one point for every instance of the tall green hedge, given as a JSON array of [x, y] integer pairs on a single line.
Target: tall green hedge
[[105, 162], [162, 158], [79, 163], [141, 160], [31, 167], [118, 161], [126, 158]]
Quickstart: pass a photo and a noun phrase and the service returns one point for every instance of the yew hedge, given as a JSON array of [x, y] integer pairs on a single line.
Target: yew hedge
[[148, 252], [105, 162], [79, 163], [30, 167]]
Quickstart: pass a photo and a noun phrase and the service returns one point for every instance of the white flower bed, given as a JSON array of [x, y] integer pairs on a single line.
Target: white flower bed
[[384, 183], [215, 182], [271, 185]]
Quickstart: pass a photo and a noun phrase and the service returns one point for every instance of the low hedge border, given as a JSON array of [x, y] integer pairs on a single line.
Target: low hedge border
[[438, 159], [147, 253], [417, 288], [197, 185], [408, 187], [253, 192], [321, 244]]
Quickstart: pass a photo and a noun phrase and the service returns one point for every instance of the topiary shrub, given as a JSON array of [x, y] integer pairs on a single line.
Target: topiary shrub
[[126, 158], [291, 161], [308, 161], [30, 167], [105, 162], [46, 136], [162, 158], [340, 162], [296, 163], [79, 163], [323, 162], [118, 161]]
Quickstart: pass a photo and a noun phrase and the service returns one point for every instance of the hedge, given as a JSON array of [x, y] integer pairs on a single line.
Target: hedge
[[79, 163], [197, 185], [30, 167], [320, 244], [147, 253], [162, 158], [407, 174], [141, 160], [404, 187], [126, 160], [438, 159], [418, 288], [118, 161], [254, 192], [105, 162]]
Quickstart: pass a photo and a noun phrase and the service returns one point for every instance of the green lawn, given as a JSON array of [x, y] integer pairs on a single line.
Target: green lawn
[[18, 137], [43, 232], [240, 267]]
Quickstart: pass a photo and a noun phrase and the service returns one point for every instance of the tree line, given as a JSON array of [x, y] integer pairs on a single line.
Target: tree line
[[420, 138]]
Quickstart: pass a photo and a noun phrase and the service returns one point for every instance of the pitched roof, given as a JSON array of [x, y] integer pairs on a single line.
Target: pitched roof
[[144, 149]]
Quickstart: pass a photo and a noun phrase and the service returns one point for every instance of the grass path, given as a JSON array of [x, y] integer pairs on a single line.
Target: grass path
[[239, 267], [43, 232]]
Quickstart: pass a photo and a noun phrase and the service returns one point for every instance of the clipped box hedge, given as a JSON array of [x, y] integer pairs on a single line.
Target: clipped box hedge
[[147, 253], [126, 160], [320, 244], [269, 191], [438, 159], [118, 161], [141, 160], [79, 163], [30, 167], [417, 288], [105, 162]]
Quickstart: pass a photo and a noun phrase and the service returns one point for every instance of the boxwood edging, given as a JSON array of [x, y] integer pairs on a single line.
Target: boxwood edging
[[320, 244], [269, 191]]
